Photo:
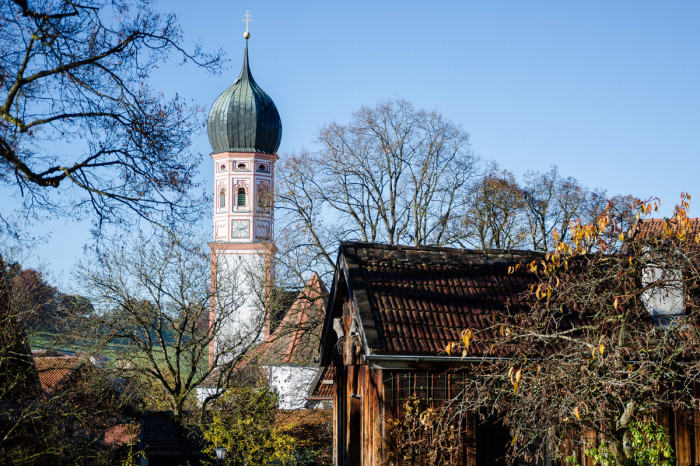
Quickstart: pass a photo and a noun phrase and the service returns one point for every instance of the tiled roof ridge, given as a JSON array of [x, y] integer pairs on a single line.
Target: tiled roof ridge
[[652, 228], [694, 221], [653, 220], [463, 251]]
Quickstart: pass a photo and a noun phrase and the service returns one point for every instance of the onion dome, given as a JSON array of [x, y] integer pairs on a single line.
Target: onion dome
[[244, 118]]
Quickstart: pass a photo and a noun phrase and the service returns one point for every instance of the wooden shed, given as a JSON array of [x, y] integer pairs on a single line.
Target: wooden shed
[[392, 310]]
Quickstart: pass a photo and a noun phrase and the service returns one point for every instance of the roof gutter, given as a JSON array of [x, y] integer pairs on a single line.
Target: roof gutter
[[392, 361], [389, 361]]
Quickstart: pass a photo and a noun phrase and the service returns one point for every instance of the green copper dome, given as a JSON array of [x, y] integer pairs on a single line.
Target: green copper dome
[[244, 118]]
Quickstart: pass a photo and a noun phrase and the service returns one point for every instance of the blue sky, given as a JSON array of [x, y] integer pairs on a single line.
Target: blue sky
[[606, 90]]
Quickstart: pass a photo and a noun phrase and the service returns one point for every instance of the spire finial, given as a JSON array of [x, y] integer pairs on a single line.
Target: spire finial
[[247, 19]]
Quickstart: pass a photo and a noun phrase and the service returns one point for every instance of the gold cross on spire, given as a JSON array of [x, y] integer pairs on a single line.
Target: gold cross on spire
[[247, 20]]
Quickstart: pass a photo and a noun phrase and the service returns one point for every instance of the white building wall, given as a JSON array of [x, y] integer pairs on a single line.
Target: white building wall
[[240, 279], [665, 298], [292, 384]]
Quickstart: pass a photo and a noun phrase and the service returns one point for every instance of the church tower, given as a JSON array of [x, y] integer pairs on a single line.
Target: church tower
[[245, 131]]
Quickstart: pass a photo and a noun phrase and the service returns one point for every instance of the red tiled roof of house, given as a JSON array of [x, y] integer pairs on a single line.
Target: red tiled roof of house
[[653, 227], [54, 370], [322, 386], [121, 434], [295, 340], [416, 300]]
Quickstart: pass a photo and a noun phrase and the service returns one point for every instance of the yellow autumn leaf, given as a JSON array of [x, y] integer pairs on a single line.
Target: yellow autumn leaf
[[616, 303], [448, 349], [601, 348], [622, 237], [576, 413], [517, 380], [466, 338]]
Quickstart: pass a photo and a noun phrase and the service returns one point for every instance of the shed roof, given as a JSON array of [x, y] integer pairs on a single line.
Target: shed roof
[[416, 300]]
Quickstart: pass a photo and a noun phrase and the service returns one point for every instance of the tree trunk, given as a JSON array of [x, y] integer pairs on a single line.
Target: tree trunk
[[618, 450]]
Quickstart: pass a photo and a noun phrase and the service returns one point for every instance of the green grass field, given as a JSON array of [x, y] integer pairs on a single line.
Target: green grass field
[[44, 340]]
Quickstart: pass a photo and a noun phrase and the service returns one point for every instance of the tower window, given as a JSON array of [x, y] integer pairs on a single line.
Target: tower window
[[240, 202], [241, 166], [262, 168], [222, 198]]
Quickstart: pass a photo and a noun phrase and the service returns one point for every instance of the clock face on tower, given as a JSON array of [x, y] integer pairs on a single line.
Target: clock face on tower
[[240, 228]]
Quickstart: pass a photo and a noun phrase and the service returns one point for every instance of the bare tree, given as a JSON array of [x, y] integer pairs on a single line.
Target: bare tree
[[77, 113], [504, 213], [552, 203], [153, 301], [393, 174], [496, 214]]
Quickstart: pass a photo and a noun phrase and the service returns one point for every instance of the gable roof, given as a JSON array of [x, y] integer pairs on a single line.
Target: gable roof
[[296, 338], [55, 370], [322, 386], [415, 300]]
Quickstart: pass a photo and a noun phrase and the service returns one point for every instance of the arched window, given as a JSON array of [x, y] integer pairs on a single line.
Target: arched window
[[222, 198], [240, 197]]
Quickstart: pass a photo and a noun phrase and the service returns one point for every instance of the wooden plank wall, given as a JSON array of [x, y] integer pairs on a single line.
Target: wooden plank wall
[[360, 421], [683, 428]]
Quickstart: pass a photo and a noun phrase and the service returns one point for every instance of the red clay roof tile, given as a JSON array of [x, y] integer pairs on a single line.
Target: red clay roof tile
[[422, 298], [53, 370]]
